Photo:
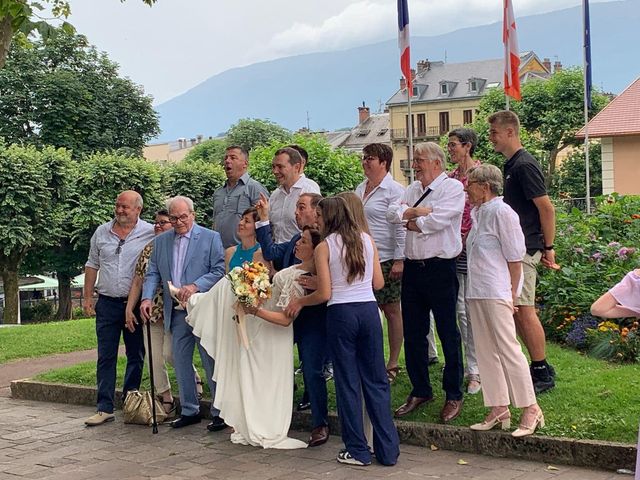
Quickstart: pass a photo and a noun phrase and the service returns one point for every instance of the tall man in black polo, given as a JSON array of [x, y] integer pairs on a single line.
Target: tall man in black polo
[[525, 192], [432, 209]]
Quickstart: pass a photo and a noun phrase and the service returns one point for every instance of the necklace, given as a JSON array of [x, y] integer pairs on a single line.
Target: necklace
[[370, 187]]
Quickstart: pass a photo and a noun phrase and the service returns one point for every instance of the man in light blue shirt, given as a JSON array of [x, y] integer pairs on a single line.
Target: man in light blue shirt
[[115, 247]]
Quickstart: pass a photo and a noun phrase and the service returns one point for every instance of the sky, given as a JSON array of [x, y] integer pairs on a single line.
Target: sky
[[177, 44]]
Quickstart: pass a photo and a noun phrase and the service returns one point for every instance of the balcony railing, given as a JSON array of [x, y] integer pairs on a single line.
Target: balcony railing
[[419, 134]]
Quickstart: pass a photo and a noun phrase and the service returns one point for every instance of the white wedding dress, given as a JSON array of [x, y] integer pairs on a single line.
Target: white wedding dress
[[254, 385]]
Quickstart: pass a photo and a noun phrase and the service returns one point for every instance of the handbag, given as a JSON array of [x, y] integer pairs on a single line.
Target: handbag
[[137, 408]]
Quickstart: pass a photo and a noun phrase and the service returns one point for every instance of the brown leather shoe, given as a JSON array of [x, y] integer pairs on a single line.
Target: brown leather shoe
[[451, 410], [410, 405], [319, 435]]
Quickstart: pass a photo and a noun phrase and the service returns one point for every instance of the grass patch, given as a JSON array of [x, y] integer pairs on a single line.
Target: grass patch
[[37, 340], [593, 399]]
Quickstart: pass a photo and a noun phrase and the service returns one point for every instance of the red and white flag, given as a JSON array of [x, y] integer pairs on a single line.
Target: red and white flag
[[403, 43], [511, 54]]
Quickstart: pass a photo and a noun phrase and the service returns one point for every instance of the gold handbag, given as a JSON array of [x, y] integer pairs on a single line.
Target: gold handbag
[[137, 409]]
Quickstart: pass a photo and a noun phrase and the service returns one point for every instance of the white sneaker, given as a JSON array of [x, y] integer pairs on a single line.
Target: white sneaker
[[99, 418], [345, 457]]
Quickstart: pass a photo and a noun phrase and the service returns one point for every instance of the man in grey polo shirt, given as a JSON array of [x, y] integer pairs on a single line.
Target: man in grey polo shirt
[[115, 247], [239, 192]]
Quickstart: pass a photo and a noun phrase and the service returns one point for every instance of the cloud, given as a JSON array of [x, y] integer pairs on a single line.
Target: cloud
[[367, 21]]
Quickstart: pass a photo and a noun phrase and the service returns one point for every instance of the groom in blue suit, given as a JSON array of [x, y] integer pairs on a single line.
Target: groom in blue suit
[[192, 259]]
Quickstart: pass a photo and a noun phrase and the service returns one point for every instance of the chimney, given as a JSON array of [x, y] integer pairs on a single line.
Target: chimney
[[413, 74], [423, 66], [403, 83], [546, 63], [363, 113], [557, 66]]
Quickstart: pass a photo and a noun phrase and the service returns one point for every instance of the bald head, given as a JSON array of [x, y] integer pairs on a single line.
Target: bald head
[[128, 208]]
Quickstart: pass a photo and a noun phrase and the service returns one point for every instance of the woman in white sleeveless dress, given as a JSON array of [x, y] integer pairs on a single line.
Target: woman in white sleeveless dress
[[254, 384]]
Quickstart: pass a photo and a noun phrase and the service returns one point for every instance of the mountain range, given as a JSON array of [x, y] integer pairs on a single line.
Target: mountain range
[[324, 89]]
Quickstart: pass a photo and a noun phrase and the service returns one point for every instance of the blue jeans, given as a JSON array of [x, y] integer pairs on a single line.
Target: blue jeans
[[354, 333], [184, 342], [431, 285], [110, 324], [310, 333]]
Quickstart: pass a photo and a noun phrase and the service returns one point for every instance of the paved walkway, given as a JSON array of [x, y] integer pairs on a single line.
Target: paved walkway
[[50, 442]]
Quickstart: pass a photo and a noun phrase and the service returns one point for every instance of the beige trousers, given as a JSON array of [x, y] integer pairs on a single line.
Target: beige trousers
[[161, 352], [503, 367]]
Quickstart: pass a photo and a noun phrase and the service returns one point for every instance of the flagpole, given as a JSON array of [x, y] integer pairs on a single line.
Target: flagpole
[[410, 133], [587, 86]]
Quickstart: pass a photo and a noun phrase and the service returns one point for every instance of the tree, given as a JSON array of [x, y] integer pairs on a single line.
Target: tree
[[197, 180], [210, 151], [251, 133], [551, 111], [33, 188], [20, 17], [65, 93], [570, 179], [335, 170], [97, 181]]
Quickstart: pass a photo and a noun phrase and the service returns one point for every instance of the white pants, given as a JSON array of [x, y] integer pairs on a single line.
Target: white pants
[[466, 332]]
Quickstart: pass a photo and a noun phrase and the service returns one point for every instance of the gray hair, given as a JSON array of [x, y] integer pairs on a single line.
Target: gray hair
[[489, 174], [180, 198], [432, 151]]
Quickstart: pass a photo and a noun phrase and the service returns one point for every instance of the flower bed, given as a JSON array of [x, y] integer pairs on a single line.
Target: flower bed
[[595, 252]]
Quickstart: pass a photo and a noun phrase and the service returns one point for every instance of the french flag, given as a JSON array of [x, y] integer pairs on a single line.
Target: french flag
[[403, 43], [511, 55]]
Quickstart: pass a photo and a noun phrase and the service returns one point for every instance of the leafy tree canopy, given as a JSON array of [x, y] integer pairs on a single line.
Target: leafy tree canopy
[[34, 185], [64, 93], [21, 18], [250, 133], [210, 151], [551, 112]]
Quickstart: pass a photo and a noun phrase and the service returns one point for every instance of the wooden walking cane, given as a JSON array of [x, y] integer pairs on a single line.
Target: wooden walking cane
[[153, 387]]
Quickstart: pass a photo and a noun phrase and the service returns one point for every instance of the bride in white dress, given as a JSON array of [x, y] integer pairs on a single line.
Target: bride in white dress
[[254, 384]]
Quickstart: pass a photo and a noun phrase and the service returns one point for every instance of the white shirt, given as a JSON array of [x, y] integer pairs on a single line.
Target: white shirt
[[389, 238], [495, 239], [439, 234], [282, 208], [360, 289]]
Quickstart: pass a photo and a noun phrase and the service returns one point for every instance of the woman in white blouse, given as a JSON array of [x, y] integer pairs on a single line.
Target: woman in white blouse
[[495, 249]]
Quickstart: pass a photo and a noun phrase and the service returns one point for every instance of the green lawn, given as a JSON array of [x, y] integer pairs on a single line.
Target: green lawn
[[593, 399], [37, 340]]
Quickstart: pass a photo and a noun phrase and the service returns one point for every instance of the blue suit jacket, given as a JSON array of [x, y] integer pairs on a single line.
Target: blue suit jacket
[[281, 254], [203, 265]]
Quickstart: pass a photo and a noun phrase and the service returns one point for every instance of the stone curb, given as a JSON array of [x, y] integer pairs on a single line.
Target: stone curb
[[551, 450]]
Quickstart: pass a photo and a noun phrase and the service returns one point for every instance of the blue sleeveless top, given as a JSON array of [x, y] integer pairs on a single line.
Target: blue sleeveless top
[[240, 256]]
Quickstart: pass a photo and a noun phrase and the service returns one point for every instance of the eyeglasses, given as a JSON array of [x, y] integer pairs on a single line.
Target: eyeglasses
[[455, 144], [182, 218], [162, 223], [369, 158], [120, 244]]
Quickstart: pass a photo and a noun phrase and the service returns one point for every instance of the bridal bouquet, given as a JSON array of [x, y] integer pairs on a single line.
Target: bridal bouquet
[[251, 285]]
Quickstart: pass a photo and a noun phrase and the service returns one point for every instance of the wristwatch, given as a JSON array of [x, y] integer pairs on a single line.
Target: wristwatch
[[548, 247]]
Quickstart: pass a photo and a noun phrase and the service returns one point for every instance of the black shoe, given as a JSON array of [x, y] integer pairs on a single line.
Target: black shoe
[[185, 420], [217, 424], [552, 371], [303, 406], [542, 379]]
